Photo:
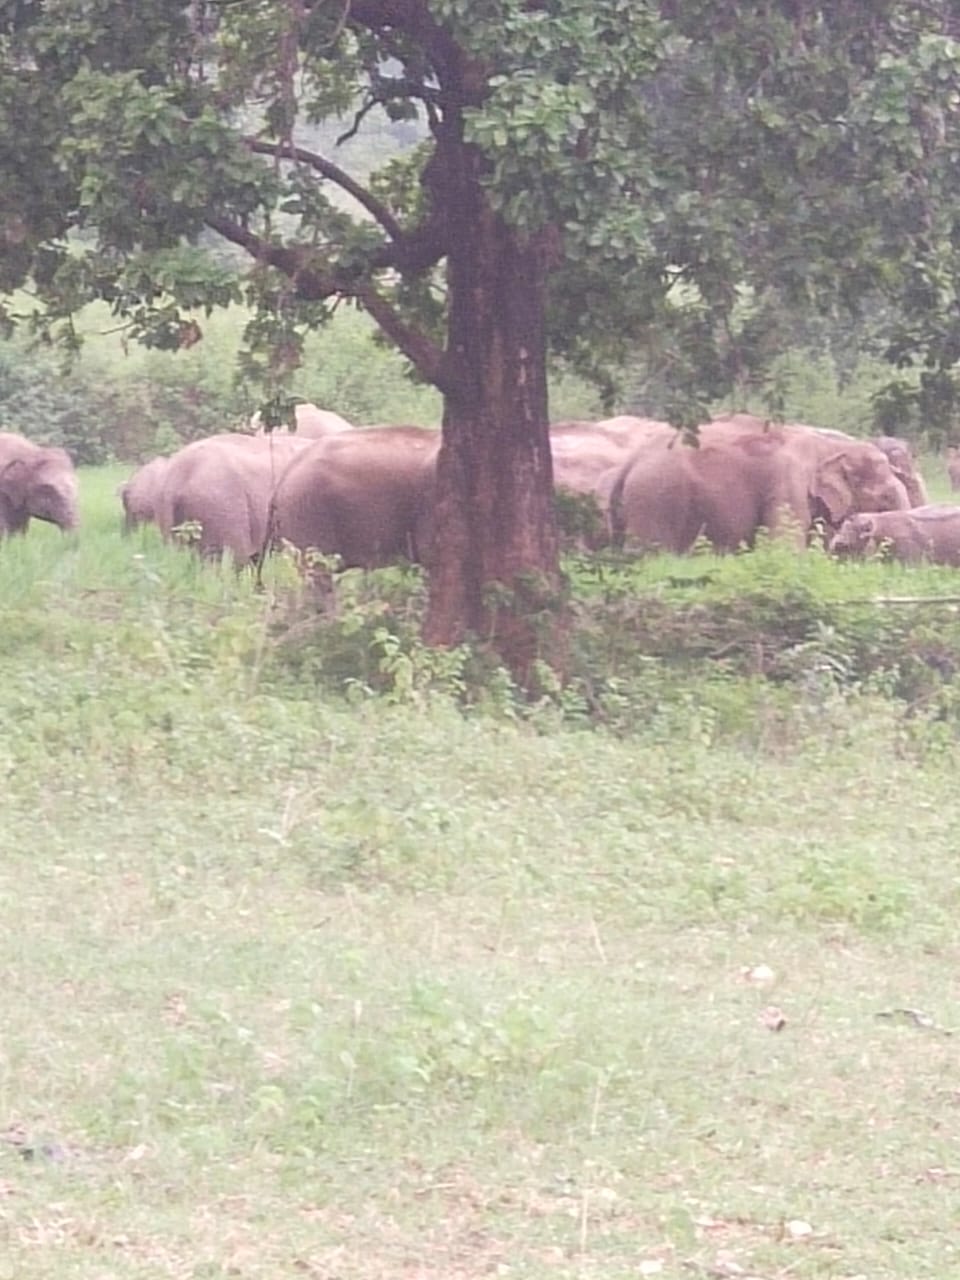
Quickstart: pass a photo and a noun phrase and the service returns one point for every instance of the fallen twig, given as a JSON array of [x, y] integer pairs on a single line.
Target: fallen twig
[[916, 1018]]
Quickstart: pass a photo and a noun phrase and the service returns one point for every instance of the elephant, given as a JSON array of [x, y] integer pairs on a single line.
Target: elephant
[[586, 460], [953, 467], [365, 496], [221, 486], [901, 461], [312, 423], [141, 492], [583, 452], [36, 481], [745, 475], [922, 533], [904, 468]]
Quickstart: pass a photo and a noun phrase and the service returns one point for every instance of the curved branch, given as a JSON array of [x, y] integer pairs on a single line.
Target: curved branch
[[414, 250], [284, 151], [390, 89], [358, 119], [430, 361], [314, 285], [284, 258]]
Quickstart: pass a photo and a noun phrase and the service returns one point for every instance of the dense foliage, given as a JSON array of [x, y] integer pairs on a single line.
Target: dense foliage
[[715, 171]]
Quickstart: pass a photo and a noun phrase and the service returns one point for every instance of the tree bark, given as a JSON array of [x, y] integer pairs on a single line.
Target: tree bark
[[494, 568]]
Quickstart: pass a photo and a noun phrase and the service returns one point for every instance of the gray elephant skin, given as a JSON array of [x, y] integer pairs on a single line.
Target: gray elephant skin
[[929, 533], [901, 459], [313, 423], [141, 493], [364, 495], [904, 467], [587, 457], [36, 482], [746, 475], [216, 492]]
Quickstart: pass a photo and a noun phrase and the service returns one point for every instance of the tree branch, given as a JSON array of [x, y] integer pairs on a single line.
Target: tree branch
[[390, 89], [405, 15], [430, 361], [283, 257], [411, 251], [313, 285], [358, 119], [284, 151], [414, 19]]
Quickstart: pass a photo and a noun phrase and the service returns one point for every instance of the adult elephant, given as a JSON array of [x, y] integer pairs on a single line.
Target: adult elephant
[[922, 533], [901, 461], [745, 475], [313, 423], [141, 493], [587, 457], [36, 482], [214, 494], [365, 496]]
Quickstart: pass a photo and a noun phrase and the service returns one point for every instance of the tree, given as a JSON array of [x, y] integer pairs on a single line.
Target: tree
[[596, 175]]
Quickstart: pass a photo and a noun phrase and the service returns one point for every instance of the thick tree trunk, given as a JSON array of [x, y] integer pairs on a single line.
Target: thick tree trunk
[[494, 571]]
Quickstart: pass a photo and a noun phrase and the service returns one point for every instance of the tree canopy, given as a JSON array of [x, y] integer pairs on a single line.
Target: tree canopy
[[596, 177]]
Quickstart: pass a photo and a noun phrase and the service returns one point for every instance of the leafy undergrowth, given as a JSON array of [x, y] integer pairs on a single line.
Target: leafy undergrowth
[[800, 622], [320, 965], [747, 641]]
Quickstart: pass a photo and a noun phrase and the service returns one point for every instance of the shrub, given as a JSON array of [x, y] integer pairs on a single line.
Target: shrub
[[36, 401], [703, 647]]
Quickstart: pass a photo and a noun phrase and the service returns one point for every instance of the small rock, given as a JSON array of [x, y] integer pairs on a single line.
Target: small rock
[[773, 1018], [797, 1229]]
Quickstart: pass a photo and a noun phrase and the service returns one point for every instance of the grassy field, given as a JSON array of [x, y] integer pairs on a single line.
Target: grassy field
[[304, 985]]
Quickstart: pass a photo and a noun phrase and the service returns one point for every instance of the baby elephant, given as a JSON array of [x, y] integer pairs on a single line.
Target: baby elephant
[[922, 533]]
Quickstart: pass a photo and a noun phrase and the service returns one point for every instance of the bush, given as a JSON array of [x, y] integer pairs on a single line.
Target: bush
[[97, 416], [698, 647], [37, 402]]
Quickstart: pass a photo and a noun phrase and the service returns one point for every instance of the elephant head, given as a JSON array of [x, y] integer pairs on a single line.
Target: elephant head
[[854, 536], [904, 468], [857, 477], [38, 483]]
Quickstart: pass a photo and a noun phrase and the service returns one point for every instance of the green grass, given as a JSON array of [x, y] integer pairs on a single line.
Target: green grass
[[934, 470], [300, 985]]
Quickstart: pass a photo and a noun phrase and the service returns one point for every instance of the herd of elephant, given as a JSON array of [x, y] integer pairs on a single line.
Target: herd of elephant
[[365, 494]]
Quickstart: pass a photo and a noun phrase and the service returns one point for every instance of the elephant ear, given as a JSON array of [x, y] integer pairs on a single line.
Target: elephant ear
[[900, 459], [12, 476], [831, 491], [903, 468], [12, 479]]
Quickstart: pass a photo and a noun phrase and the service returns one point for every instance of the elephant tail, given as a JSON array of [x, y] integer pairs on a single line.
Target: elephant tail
[[616, 516]]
